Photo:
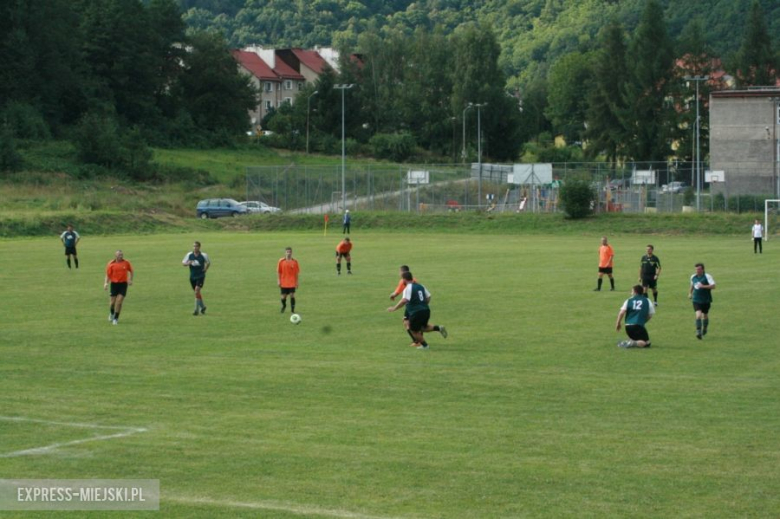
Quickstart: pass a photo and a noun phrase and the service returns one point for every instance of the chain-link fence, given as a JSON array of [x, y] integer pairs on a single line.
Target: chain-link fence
[[631, 187]]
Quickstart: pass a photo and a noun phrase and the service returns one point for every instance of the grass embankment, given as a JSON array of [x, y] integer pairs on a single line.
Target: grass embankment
[[103, 222], [44, 199]]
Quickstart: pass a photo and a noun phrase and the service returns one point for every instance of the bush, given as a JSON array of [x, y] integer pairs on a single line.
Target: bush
[[25, 122], [97, 140], [10, 160], [136, 158], [577, 198], [747, 203], [392, 146], [718, 202], [689, 195], [328, 144]]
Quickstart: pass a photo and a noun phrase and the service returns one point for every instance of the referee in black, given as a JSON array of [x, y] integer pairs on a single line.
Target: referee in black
[[649, 272]]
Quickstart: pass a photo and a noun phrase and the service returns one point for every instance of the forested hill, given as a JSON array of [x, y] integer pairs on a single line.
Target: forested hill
[[532, 33]]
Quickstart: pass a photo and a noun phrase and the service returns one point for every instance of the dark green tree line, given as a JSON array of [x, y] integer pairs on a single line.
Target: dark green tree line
[[128, 60]]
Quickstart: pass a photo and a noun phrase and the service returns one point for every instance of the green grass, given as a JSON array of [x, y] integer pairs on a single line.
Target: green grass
[[226, 165], [528, 409]]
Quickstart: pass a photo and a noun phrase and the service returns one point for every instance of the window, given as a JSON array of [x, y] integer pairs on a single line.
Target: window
[[269, 87], [777, 105], [268, 105], [288, 100], [300, 85], [287, 84]]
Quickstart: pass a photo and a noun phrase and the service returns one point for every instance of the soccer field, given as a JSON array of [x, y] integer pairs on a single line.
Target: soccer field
[[528, 409]]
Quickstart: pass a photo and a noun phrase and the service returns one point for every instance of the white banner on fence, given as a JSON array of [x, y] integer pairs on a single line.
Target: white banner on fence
[[643, 176], [531, 174], [417, 176]]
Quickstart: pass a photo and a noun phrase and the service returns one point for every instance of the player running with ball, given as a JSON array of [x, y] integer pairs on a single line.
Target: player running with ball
[[199, 263]]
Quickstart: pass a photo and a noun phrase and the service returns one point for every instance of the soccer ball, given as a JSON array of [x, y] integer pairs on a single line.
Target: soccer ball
[[295, 319]]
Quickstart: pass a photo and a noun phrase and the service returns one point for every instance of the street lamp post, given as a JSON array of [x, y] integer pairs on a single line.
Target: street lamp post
[[479, 151], [776, 152], [697, 160], [343, 88], [308, 110], [463, 149]]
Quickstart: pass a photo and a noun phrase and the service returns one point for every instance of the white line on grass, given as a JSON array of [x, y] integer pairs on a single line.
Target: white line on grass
[[46, 449], [274, 505]]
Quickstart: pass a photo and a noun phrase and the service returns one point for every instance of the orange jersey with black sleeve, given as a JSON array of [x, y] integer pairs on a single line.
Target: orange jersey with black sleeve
[[344, 247], [117, 270], [401, 286], [606, 255], [288, 270]]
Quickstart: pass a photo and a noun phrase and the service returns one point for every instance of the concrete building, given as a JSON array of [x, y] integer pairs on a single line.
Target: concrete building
[[264, 79], [745, 141]]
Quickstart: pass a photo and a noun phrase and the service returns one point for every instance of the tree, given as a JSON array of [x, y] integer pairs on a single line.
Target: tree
[[606, 132], [167, 33], [213, 91], [534, 104], [479, 79], [118, 49], [40, 62], [696, 60], [756, 63], [425, 97], [570, 78], [649, 117]]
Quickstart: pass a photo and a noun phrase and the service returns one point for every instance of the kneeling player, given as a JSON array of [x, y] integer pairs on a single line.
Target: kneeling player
[[638, 310]]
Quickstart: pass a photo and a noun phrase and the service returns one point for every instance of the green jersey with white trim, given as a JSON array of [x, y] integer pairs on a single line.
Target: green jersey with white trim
[[701, 295], [638, 309], [416, 295]]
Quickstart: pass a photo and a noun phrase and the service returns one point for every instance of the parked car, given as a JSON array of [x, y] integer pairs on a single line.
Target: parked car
[[674, 187], [217, 207], [260, 207]]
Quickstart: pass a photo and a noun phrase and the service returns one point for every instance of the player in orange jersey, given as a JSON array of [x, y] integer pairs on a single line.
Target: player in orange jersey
[[606, 255], [119, 272], [287, 271], [343, 251]]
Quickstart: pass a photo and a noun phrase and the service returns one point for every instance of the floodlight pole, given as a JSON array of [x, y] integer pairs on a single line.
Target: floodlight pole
[[697, 159], [343, 88], [463, 149], [479, 151], [308, 111]]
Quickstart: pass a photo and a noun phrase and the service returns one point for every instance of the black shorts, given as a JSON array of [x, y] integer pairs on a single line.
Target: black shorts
[[197, 282], [340, 255], [637, 332], [118, 289], [605, 270], [702, 307], [419, 320], [286, 291], [649, 282], [70, 251]]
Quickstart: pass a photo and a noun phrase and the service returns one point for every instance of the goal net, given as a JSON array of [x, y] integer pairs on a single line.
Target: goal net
[[771, 218]]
